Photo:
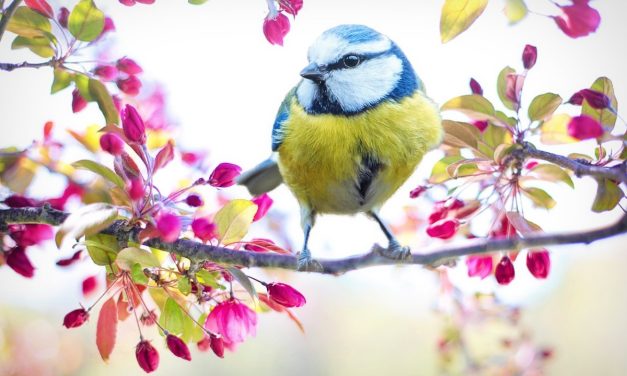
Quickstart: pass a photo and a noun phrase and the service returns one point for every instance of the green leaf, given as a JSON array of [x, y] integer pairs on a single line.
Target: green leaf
[[62, 79], [87, 220], [208, 278], [197, 2], [475, 106], [234, 219], [191, 331], [439, 172], [515, 11], [38, 45], [172, 317], [495, 136], [28, 23], [102, 248], [184, 285], [604, 116], [460, 135], [539, 197], [608, 196], [82, 84], [465, 167], [86, 21], [552, 173], [543, 106], [100, 93], [133, 255], [137, 274], [502, 151], [243, 280], [101, 170], [458, 15], [501, 86], [159, 297], [521, 224]]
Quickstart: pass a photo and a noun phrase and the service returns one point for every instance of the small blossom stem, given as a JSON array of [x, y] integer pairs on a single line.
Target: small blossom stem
[[139, 295], [105, 293], [190, 315], [6, 16], [255, 279], [139, 328]]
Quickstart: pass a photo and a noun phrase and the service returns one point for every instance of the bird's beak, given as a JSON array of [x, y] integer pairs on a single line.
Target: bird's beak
[[313, 72]]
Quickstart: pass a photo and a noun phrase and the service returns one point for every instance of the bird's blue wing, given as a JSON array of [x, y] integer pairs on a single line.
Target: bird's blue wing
[[281, 117]]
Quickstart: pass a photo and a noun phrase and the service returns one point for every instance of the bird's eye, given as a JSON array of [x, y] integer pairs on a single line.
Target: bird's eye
[[351, 61]]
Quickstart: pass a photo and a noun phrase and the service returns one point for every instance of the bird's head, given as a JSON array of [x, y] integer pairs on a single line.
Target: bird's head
[[353, 68]]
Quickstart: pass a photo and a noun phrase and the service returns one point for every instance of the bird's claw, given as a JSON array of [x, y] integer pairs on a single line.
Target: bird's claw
[[306, 263], [395, 251]]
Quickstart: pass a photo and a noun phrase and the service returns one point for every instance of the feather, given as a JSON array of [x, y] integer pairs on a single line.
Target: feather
[[262, 178]]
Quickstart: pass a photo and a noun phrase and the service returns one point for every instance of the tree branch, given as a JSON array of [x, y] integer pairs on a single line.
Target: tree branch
[[202, 252], [12, 66], [6, 16], [617, 173]]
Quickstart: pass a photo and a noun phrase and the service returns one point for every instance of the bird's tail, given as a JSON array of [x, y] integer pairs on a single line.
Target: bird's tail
[[262, 178]]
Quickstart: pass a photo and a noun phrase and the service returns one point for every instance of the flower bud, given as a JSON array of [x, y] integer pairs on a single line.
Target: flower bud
[[596, 99], [291, 6], [204, 229], [529, 56], [135, 189], [578, 20], [263, 202], [224, 175], [112, 143], [443, 229], [75, 318], [475, 87], [504, 272], [19, 201], [89, 285], [576, 99], [128, 66], [70, 260], [78, 102], [130, 85], [417, 192], [194, 200], [106, 72], [276, 27], [169, 227], [63, 16], [18, 261], [480, 266], [285, 295], [531, 164], [108, 27], [30, 234], [584, 127], [147, 356], [178, 347], [217, 346], [133, 125], [539, 263]]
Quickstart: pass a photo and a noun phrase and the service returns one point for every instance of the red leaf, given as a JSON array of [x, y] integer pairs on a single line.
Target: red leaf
[[165, 155], [123, 310], [107, 328], [264, 245], [40, 6]]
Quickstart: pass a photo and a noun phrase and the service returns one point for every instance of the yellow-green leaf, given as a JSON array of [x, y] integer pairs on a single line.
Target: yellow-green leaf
[[100, 93], [515, 10], [234, 219], [86, 21], [552, 173], [62, 79], [133, 255], [539, 197], [543, 106], [458, 15], [460, 135], [501, 86], [101, 248], [82, 84], [101, 170], [38, 45], [604, 116], [184, 285], [555, 131], [522, 224], [159, 297], [137, 274], [172, 317], [475, 106], [439, 173], [87, 220], [28, 23], [608, 196]]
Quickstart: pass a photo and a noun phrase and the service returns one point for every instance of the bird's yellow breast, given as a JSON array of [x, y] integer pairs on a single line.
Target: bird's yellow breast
[[321, 156]]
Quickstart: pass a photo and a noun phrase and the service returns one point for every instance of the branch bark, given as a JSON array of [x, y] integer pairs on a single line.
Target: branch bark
[[431, 257], [12, 66], [8, 13]]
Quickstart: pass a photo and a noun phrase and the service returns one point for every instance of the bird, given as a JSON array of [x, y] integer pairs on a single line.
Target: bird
[[350, 133]]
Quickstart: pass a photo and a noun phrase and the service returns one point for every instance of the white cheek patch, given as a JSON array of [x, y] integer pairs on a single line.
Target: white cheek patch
[[306, 93], [357, 88]]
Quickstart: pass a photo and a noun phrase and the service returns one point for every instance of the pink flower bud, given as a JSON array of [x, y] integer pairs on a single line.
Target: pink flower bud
[[204, 229], [417, 192], [63, 16], [128, 3], [40, 6], [78, 102], [454, 204], [539, 263], [480, 266], [596, 99], [75, 318], [285, 295], [263, 202], [133, 125], [576, 99], [130, 86], [481, 125], [224, 175], [531, 164], [194, 200], [19, 201], [584, 127], [291, 6], [30, 234], [233, 320], [128, 66], [18, 261], [106, 72], [504, 272], [578, 20], [112, 143], [146, 1], [475, 87], [147, 356], [513, 89], [108, 27], [117, 102], [70, 260], [529, 56], [89, 285], [178, 347], [443, 229], [169, 227], [217, 346], [135, 189], [276, 27]]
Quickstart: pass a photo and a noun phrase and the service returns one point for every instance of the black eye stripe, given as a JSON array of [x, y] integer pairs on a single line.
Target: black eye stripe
[[362, 58]]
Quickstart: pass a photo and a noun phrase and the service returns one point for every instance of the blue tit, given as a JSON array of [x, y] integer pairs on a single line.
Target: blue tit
[[350, 133]]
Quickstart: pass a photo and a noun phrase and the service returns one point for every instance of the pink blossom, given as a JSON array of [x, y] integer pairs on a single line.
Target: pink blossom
[[89, 285], [275, 28], [224, 175], [169, 227], [204, 229], [513, 89], [480, 266], [112, 143], [75, 318], [539, 263], [70, 260], [40, 6], [18, 261], [106, 72], [263, 202], [291, 6], [133, 125], [62, 17], [233, 320], [135, 189], [475, 87], [531, 164], [285, 295], [578, 20], [443, 229], [108, 27], [584, 127], [194, 200], [78, 102], [178, 347], [504, 272], [416, 192], [529, 56], [130, 85], [19, 201], [128, 66], [147, 356], [481, 125], [30, 234]]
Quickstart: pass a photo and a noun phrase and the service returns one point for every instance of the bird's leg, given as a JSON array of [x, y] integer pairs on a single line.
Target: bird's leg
[[394, 250], [305, 262]]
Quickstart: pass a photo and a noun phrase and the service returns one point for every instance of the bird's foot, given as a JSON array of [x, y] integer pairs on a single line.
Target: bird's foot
[[306, 263], [395, 251]]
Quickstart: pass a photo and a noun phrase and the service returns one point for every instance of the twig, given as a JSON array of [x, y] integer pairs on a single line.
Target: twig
[[12, 66], [8, 13], [199, 252]]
